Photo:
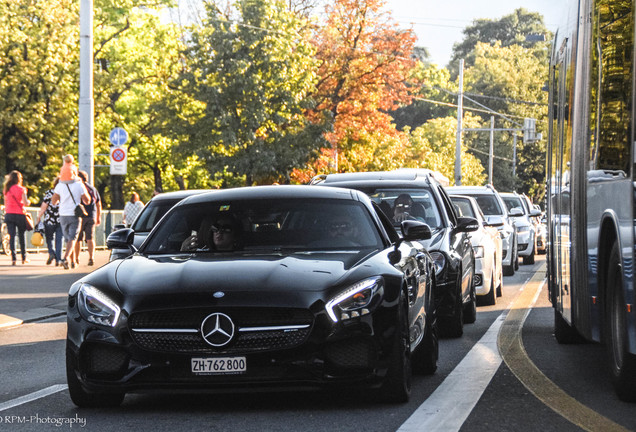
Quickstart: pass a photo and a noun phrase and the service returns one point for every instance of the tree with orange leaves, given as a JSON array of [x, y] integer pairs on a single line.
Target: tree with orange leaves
[[365, 61]]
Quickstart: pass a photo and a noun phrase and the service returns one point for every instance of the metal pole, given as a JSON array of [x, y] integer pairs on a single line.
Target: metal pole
[[492, 148], [86, 104], [514, 163], [458, 145]]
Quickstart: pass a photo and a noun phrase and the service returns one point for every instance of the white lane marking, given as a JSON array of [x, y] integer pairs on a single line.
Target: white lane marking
[[451, 403], [33, 396]]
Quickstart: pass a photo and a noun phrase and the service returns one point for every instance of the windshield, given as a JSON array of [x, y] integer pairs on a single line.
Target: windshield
[[265, 225], [401, 204], [151, 214], [464, 208], [513, 202], [489, 205]]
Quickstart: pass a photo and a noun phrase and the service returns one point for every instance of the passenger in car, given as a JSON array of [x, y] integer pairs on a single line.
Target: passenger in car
[[199, 240], [405, 208], [225, 234]]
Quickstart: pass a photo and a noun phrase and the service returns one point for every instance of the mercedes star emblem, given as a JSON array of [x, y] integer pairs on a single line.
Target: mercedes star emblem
[[217, 329]]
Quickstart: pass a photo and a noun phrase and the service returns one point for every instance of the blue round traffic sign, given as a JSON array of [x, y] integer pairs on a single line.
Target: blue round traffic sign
[[118, 136]]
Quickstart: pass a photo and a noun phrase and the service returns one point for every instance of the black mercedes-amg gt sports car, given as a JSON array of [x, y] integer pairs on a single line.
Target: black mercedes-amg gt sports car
[[273, 286]]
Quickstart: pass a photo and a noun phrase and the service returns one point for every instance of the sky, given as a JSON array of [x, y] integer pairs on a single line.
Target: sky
[[438, 24]]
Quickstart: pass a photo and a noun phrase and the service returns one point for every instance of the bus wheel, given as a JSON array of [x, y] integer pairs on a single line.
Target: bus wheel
[[622, 363], [564, 332]]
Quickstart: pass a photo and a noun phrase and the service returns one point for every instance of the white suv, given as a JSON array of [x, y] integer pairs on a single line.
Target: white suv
[[526, 229], [492, 205]]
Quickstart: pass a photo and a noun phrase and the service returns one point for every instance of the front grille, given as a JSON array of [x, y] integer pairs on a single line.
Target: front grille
[[256, 330], [352, 354]]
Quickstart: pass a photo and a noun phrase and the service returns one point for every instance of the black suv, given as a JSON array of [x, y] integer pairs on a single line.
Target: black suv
[[149, 216], [418, 194]]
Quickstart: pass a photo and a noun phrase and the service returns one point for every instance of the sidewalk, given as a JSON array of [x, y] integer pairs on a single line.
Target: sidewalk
[[37, 264], [37, 268]]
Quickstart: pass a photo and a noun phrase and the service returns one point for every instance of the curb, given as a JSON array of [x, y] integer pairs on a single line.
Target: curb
[[32, 315]]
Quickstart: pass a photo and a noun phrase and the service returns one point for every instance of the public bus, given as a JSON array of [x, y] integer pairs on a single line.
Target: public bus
[[590, 183]]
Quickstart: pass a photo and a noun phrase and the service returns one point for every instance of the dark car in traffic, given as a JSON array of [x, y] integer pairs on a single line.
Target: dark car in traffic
[[273, 287], [418, 194], [152, 212]]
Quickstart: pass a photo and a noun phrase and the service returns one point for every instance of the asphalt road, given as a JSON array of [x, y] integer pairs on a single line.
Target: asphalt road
[[506, 373]]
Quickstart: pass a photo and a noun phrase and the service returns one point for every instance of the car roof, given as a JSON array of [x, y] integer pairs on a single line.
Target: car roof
[[458, 190], [400, 176], [179, 195], [276, 192]]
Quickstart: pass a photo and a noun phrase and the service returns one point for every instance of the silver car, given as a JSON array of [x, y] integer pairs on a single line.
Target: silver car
[[487, 245], [493, 206], [526, 228]]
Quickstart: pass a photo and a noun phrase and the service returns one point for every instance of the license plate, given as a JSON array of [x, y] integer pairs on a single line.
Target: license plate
[[218, 365]]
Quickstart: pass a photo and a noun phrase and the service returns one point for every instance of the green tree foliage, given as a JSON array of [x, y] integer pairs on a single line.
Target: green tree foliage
[[433, 146], [509, 30], [249, 80], [38, 87], [136, 55], [434, 96], [513, 79]]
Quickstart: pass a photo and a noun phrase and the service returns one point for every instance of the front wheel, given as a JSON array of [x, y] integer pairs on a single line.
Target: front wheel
[[489, 299], [453, 326], [470, 309], [397, 384], [622, 363], [427, 352]]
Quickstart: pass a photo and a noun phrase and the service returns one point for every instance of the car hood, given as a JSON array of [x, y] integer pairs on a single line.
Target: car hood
[[141, 276]]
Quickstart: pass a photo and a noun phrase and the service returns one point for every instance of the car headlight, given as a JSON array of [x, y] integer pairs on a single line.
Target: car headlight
[[355, 300], [96, 307], [439, 259], [523, 229], [479, 251]]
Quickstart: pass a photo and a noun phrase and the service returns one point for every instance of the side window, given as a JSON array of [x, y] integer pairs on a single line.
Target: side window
[[450, 209], [611, 84]]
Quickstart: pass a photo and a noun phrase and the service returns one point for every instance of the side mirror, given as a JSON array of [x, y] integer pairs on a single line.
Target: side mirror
[[467, 224], [535, 213], [120, 239], [415, 230], [516, 212], [494, 221], [118, 227]]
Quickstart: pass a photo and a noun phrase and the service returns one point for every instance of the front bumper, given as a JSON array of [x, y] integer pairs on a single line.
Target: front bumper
[[525, 243], [107, 360]]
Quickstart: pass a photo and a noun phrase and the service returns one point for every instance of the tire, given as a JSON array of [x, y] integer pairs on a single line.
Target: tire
[[427, 352], [530, 258], [453, 326], [489, 299], [470, 309], [500, 288], [397, 383], [564, 333], [83, 399], [509, 270], [622, 364]]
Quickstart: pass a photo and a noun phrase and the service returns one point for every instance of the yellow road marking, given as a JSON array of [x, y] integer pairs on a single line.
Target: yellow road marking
[[516, 358]]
